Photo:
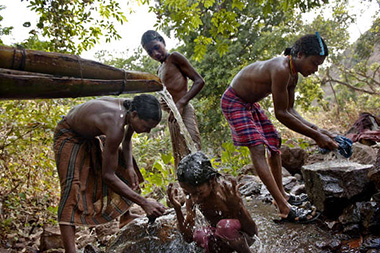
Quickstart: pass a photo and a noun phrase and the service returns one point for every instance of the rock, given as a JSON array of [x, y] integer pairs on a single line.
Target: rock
[[317, 157], [248, 169], [162, 236], [298, 189], [298, 176], [265, 194], [84, 237], [289, 183], [91, 249], [374, 173], [363, 154], [105, 232], [250, 185], [330, 245], [352, 229], [285, 172], [331, 186], [370, 243], [136, 209], [50, 238], [376, 197], [293, 158], [361, 218]]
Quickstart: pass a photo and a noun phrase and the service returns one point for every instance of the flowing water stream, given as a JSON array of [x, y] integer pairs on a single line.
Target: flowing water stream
[[184, 132]]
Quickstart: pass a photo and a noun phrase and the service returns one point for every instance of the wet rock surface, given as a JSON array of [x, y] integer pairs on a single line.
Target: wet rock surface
[[161, 236], [374, 173], [361, 218], [333, 185]]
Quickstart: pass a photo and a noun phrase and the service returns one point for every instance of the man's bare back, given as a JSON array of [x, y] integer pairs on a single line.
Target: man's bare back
[[94, 117], [254, 82]]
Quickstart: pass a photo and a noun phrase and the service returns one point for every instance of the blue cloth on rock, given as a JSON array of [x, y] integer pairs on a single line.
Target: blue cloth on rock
[[345, 146]]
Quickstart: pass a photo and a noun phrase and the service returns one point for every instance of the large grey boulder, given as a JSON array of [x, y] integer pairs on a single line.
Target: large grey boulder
[[333, 185], [160, 237]]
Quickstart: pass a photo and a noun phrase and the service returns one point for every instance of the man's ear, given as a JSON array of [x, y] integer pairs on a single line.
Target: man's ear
[[134, 114], [300, 54]]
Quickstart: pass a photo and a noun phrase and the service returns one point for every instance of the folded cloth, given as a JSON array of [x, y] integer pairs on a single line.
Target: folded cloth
[[345, 146]]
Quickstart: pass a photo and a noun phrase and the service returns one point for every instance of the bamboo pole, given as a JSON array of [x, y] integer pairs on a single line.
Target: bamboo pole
[[29, 74], [25, 85], [64, 65]]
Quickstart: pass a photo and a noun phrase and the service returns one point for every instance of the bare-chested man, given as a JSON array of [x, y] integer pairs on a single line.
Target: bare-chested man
[[174, 72], [230, 227], [250, 127], [93, 152]]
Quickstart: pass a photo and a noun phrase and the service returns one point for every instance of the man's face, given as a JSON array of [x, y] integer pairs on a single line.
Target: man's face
[[156, 49], [140, 125], [197, 193], [308, 65]]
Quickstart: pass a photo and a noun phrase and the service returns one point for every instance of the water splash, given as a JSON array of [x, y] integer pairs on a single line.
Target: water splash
[[257, 246], [183, 130]]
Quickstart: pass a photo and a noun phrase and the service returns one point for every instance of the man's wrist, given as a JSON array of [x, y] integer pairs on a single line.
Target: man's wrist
[[141, 201], [314, 127]]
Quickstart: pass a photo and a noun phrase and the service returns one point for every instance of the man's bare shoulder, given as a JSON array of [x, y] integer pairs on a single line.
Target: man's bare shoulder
[[273, 63], [176, 58], [97, 116], [96, 106], [278, 64], [105, 99]]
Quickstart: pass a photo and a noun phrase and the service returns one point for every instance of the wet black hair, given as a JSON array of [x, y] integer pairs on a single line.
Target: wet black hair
[[195, 169], [308, 44], [151, 35], [146, 106]]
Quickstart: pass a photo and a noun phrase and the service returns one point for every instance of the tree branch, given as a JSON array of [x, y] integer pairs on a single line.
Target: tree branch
[[330, 79]]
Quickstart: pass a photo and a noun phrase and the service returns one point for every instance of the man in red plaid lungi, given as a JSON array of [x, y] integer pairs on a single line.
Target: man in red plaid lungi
[[248, 123], [251, 128]]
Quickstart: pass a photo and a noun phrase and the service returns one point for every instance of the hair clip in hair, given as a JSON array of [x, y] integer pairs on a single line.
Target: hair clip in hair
[[320, 44]]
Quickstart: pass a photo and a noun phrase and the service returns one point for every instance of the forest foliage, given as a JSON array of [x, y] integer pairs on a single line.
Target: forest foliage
[[219, 38]]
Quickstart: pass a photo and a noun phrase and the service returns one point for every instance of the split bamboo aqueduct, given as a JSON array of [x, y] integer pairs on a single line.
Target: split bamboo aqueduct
[[31, 74]]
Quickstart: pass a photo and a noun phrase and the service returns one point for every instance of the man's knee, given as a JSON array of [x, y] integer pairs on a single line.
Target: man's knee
[[257, 151]]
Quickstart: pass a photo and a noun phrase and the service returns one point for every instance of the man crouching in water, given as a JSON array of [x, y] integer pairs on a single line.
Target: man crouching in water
[[231, 227]]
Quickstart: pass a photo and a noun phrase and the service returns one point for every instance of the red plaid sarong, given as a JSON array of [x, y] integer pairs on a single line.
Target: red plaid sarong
[[248, 123]]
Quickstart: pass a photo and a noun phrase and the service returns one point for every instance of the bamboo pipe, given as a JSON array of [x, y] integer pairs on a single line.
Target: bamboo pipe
[[24, 85], [64, 65]]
